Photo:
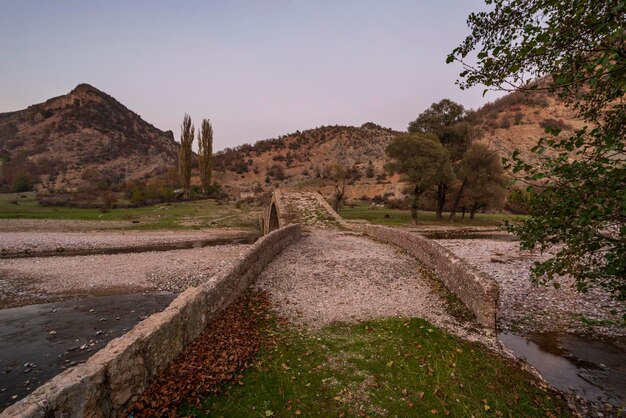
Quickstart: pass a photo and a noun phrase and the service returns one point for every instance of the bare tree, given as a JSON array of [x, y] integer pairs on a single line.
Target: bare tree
[[339, 175], [205, 154], [185, 154]]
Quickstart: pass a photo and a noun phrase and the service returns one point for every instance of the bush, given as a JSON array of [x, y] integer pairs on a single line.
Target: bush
[[553, 124], [22, 183]]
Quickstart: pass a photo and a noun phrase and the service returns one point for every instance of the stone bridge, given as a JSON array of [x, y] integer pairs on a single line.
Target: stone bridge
[[308, 209], [111, 380]]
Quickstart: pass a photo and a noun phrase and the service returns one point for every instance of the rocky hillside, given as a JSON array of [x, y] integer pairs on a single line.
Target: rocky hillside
[[302, 160], [518, 121], [81, 138]]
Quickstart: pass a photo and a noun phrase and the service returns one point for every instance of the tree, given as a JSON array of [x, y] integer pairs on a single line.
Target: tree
[[339, 175], [483, 183], [422, 161], [444, 113], [446, 119], [205, 154], [575, 49], [185, 154]]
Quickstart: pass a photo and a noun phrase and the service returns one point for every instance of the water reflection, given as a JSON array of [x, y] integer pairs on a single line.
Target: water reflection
[[595, 369]]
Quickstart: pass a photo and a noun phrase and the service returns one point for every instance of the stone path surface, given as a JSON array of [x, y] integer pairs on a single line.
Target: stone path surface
[[331, 275]]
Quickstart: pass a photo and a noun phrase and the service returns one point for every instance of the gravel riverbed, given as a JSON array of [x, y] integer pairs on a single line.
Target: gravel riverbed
[[31, 242], [527, 308], [26, 281]]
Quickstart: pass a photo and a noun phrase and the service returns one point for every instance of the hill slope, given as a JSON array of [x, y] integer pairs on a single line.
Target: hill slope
[[300, 159], [83, 137]]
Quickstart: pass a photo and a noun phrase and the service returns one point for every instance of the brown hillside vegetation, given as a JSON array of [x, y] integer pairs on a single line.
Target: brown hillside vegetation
[[518, 121], [82, 137], [303, 159]]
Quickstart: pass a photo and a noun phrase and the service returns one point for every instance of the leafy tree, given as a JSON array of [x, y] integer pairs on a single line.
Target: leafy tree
[[444, 113], [185, 155], [576, 49], [423, 162], [446, 119], [205, 154], [483, 181]]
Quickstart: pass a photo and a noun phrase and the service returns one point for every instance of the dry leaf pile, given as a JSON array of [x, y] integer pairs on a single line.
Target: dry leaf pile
[[216, 357]]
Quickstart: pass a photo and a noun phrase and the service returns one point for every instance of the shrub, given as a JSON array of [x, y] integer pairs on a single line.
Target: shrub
[[553, 124]]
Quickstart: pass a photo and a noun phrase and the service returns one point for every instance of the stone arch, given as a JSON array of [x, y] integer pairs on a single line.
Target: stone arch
[[273, 221]]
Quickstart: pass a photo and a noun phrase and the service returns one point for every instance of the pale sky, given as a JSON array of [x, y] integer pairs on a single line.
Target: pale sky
[[257, 69]]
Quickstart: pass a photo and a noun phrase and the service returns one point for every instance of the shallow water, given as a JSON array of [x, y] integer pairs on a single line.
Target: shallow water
[[90, 323], [594, 369]]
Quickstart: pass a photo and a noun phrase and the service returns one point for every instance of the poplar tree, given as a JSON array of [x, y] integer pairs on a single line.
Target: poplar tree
[[185, 154], [205, 154]]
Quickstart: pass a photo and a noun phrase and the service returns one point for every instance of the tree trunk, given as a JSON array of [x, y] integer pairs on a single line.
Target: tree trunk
[[417, 192], [339, 192], [442, 189], [457, 199], [463, 213], [473, 210]]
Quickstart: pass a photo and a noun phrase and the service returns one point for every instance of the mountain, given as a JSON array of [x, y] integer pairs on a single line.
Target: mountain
[[83, 137]]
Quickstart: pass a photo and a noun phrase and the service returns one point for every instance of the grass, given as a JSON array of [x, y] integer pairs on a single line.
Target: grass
[[397, 217], [180, 215], [391, 367]]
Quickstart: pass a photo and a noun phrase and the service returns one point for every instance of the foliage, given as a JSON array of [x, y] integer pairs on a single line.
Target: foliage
[[423, 162], [578, 48], [449, 121], [485, 182], [185, 155], [205, 154], [22, 182], [444, 113]]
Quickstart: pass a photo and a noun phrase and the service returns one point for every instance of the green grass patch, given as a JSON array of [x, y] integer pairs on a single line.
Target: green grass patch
[[180, 215], [391, 367], [397, 217]]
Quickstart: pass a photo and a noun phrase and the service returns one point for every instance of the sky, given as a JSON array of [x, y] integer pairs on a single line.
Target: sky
[[257, 69]]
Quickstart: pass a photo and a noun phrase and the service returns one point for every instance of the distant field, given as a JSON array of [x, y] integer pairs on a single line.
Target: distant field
[[179, 215], [396, 217]]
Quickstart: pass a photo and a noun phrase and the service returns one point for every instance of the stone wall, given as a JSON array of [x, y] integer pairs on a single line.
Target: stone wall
[[110, 381], [478, 291]]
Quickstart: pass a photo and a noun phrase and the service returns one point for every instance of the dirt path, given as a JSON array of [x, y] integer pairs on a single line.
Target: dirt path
[[332, 276]]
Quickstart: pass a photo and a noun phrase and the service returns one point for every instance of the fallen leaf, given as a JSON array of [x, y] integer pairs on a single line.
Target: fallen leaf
[[269, 413]]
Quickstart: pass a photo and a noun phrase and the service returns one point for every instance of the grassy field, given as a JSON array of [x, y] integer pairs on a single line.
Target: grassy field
[[392, 367], [396, 217], [179, 215]]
